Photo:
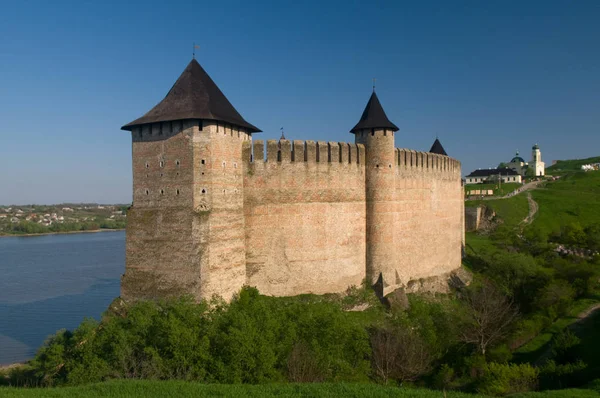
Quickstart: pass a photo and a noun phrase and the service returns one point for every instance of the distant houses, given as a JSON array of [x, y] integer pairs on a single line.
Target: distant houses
[[591, 167]]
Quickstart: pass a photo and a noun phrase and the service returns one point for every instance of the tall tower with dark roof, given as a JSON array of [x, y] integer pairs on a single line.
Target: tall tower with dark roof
[[376, 132], [185, 231]]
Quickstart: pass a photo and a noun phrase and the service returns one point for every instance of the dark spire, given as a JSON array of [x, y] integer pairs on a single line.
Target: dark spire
[[193, 96], [374, 117], [438, 148]]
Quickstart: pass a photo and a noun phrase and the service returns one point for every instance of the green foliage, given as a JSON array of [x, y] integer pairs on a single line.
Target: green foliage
[[557, 376], [562, 345], [502, 379], [247, 341]]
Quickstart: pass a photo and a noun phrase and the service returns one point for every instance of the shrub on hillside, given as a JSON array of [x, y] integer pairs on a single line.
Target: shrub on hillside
[[503, 379], [251, 340]]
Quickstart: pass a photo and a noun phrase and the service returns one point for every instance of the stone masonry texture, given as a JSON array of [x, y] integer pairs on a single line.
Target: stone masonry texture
[[214, 210]]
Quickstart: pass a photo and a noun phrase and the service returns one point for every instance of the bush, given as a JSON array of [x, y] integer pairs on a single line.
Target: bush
[[557, 376], [562, 346], [254, 339], [502, 379]]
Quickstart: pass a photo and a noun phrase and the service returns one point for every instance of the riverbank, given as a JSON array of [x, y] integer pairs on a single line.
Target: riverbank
[[62, 233]]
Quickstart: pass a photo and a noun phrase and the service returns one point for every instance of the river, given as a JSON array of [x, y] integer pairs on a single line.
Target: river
[[52, 282]]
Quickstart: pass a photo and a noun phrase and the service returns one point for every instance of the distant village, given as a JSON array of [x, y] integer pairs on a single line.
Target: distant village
[[512, 172], [60, 218]]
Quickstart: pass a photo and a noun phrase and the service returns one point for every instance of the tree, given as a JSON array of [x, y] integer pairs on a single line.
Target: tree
[[529, 172], [488, 318], [399, 354], [502, 165]]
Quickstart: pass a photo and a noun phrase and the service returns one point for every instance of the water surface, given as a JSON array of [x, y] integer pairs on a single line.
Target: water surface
[[52, 282]]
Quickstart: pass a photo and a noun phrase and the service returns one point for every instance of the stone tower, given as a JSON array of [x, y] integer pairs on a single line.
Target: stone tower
[[376, 132], [536, 163], [185, 231]]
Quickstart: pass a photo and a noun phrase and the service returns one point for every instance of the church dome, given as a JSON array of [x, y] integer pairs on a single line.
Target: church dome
[[517, 159]]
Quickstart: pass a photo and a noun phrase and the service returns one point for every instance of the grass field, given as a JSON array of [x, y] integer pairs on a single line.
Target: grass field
[[166, 389], [566, 166], [512, 210], [573, 198]]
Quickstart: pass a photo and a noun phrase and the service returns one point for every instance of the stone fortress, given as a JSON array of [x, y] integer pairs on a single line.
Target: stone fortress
[[214, 209]]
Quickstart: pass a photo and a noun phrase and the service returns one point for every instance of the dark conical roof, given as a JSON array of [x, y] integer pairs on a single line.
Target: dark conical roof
[[374, 117], [438, 148], [193, 96]]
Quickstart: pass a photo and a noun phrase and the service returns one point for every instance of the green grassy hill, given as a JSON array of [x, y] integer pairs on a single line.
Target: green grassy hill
[[573, 198], [565, 166]]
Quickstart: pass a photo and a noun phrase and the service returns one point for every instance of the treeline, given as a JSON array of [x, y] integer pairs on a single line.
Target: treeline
[[29, 227]]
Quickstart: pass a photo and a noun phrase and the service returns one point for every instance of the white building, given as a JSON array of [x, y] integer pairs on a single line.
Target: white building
[[539, 167], [482, 176], [519, 165]]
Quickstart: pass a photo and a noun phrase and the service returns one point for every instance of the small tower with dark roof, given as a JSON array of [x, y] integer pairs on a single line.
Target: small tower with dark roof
[[186, 226], [376, 132], [438, 148]]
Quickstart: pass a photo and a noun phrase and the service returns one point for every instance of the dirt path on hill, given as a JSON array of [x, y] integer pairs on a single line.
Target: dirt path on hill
[[533, 209]]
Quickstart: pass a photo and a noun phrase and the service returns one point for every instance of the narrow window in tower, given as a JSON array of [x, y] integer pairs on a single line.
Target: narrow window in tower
[[177, 163], [161, 164], [235, 165], [199, 125], [162, 191], [147, 165], [147, 192], [372, 132], [177, 192], [385, 133], [204, 191], [203, 161]]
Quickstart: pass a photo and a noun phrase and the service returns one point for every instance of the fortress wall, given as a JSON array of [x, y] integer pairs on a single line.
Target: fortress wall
[[304, 205], [159, 246], [428, 215], [218, 228]]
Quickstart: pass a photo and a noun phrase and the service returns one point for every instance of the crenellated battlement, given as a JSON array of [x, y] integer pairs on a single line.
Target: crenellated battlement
[[309, 152], [408, 159]]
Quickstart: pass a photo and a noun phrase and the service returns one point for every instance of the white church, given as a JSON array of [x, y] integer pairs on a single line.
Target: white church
[[520, 166], [514, 171]]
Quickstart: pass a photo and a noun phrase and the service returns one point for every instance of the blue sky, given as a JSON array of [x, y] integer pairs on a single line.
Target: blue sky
[[487, 77]]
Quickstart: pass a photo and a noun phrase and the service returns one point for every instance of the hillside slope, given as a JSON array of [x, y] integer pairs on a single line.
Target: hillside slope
[[565, 166]]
